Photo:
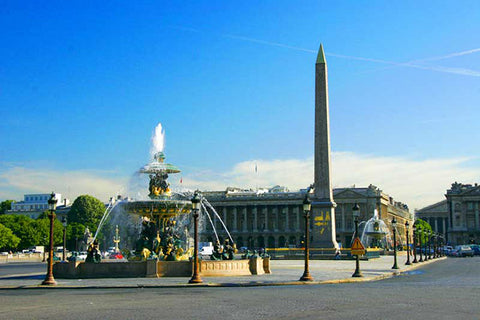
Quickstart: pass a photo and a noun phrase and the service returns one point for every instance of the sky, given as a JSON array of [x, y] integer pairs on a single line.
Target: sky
[[83, 85]]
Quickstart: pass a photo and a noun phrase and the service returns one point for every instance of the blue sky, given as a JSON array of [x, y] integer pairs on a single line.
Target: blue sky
[[83, 85]]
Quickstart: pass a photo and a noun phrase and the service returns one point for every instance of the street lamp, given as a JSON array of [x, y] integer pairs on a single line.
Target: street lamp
[[64, 222], [307, 206], [420, 232], [356, 214], [408, 247], [52, 204], [195, 209], [414, 243], [394, 226], [430, 236], [425, 244]]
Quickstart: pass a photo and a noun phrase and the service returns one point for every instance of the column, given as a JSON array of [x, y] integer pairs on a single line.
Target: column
[[436, 225], [342, 207], [215, 221], [244, 226], [265, 211], [224, 217], [277, 222], [234, 224], [297, 216], [477, 218], [287, 218], [255, 219]]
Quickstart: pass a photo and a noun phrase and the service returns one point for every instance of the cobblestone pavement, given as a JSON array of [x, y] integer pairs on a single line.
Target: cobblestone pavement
[[284, 272]]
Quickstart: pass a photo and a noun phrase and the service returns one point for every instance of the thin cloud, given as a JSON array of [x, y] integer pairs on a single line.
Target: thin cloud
[[268, 43], [411, 64], [450, 55], [417, 183], [18, 180], [462, 71]]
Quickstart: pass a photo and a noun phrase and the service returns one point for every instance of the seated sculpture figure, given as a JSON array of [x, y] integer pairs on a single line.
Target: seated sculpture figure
[[224, 252], [93, 254]]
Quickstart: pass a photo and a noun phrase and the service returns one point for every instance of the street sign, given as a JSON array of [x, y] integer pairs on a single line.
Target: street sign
[[357, 248]]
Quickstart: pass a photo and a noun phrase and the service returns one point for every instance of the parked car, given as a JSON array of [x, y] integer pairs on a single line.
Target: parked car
[[116, 255], [82, 255], [476, 249], [463, 251]]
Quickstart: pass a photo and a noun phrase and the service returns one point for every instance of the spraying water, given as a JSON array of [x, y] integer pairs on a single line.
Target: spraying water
[[211, 222], [111, 205], [158, 140]]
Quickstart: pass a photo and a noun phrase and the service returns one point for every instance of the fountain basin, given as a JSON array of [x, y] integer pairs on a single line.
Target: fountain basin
[[158, 269], [162, 208]]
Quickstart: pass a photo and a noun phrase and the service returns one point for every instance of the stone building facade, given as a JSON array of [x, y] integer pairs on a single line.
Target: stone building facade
[[33, 205], [458, 217], [274, 218]]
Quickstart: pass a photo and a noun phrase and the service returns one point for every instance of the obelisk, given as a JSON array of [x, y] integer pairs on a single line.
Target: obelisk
[[323, 206]]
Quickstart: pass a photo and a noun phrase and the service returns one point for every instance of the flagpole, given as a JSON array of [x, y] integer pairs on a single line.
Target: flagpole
[[256, 177]]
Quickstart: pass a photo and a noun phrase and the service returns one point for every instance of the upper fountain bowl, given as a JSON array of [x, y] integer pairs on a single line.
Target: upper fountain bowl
[[158, 165]]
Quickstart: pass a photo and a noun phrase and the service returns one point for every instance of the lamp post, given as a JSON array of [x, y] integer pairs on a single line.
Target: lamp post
[[52, 204], [430, 244], [196, 209], [425, 232], [394, 226], [64, 222], [414, 240], [356, 214], [307, 205], [419, 229], [408, 246]]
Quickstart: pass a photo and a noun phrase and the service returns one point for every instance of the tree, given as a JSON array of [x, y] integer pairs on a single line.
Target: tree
[[8, 240], [75, 232], [23, 227], [6, 205], [422, 224], [43, 228], [86, 210]]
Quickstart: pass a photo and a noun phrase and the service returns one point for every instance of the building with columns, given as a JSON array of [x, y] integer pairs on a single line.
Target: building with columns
[[458, 217], [274, 218]]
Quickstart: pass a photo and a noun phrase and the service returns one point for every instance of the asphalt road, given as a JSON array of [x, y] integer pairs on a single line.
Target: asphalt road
[[14, 269], [448, 289]]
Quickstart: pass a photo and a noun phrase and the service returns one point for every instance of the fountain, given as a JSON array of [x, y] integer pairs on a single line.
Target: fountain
[[160, 237], [162, 248], [374, 232]]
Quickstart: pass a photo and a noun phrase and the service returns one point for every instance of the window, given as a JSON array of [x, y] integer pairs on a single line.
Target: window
[[457, 206]]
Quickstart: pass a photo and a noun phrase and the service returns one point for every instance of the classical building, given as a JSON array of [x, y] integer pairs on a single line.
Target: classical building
[[34, 205], [269, 218], [458, 217]]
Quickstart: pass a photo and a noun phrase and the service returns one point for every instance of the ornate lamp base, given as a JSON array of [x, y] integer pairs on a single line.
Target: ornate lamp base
[[306, 277]]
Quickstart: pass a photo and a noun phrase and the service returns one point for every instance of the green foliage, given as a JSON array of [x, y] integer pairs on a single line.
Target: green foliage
[[87, 211], [75, 233], [6, 205], [422, 226], [23, 227], [43, 229], [7, 239]]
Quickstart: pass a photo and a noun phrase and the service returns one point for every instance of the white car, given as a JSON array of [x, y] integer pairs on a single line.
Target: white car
[[82, 255]]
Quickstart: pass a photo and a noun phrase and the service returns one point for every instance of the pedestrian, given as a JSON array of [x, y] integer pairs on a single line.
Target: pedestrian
[[338, 254]]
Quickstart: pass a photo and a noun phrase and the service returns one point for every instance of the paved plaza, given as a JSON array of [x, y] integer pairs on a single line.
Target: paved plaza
[[284, 272]]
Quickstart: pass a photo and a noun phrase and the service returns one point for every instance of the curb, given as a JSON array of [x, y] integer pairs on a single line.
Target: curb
[[231, 285]]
